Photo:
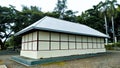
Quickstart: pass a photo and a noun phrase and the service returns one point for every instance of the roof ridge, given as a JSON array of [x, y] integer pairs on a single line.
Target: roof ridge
[[67, 21], [39, 21], [50, 23]]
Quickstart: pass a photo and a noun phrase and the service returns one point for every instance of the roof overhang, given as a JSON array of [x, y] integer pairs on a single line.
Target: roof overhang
[[53, 30]]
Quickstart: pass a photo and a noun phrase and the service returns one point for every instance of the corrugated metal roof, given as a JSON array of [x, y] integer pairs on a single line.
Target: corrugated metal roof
[[57, 25]]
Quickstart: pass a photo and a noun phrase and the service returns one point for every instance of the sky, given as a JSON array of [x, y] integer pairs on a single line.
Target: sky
[[49, 5]]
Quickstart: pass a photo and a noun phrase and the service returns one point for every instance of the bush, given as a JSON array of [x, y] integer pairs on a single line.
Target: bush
[[112, 46]]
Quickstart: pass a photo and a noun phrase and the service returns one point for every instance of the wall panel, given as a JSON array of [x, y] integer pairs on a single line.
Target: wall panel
[[26, 46], [43, 45], [23, 40], [99, 45], [64, 37], [84, 45], [102, 45], [23, 46], [90, 39], [72, 38], [79, 45], [78, 38], [54, 45], [102, 40], [30, 37], [43, 35], [34, 35], [94, 40], [90, 45], [71, 45], [64, 45], [55, 36], [35, 45], [94, 45], [84, 39], [30, 46]]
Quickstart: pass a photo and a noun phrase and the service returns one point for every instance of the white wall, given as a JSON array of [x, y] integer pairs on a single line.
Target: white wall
[[57, 53], [30, 54], [58, 44], [29, 41]]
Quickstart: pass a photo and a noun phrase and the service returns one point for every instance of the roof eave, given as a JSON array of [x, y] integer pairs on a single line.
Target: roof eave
[[53, 30], [23, 31]]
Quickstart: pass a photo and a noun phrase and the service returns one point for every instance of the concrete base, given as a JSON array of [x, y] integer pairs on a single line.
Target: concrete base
[[31, 62], [3, 66], [58, 53]]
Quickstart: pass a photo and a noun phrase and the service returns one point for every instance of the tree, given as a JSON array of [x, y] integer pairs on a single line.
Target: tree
[[60, 8], [7, 16], [91, 18], [108, 9], [112, 14], [70, 15], [103, 8], [26, 17]]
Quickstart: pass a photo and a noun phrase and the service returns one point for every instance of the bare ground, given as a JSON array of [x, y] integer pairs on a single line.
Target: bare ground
[[111, 60]]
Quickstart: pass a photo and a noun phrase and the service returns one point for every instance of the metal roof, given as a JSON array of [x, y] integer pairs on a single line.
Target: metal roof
[[58, 25]]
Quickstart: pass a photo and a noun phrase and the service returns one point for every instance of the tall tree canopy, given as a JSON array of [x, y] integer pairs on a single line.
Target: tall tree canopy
[[60, 7], [7, 16], [12, 20]]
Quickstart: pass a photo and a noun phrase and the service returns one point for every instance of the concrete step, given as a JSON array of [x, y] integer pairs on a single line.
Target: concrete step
[[3, 66]]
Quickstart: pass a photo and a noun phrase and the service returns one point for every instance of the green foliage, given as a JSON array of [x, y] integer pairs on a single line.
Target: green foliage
[[109, 47], [12, 21], [13, 42], [60, 6], [112, 46], [7, 16]]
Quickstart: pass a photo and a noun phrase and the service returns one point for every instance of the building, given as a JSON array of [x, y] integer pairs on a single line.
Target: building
[[51, 37]]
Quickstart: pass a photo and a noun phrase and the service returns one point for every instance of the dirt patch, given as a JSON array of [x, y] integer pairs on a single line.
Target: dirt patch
[[111, 60], [1, 62]]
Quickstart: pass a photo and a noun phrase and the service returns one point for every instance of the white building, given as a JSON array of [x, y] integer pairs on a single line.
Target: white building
[[51, 37]]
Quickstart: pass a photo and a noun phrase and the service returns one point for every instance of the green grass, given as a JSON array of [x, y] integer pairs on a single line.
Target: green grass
[[62, 63]]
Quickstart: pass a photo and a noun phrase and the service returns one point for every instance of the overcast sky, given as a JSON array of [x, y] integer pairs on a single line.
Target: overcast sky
[[48, 5]]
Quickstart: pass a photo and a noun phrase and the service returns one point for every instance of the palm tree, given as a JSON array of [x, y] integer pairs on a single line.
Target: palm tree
[[102, 7], [112, 10], [108, 9]]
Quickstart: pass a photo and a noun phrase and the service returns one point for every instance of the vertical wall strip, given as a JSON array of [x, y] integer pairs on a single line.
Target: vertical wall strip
[[28, 42], [37, 40], [24, 43], [32, 42], [82, 42], [92, 42], [104, 42], [75, 42], [59, 41], [96, 44], [100, 43], [68, 42], [87, 43], [49, 40]]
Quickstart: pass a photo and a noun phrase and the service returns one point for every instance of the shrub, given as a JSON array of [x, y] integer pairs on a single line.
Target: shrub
[[112, 46]]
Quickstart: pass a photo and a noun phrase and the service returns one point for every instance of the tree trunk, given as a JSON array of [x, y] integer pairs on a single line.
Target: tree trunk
[[106, 28], [114, 37], [1, 45]]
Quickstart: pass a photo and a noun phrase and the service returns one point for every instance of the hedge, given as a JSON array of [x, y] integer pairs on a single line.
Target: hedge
[[112, 46]]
